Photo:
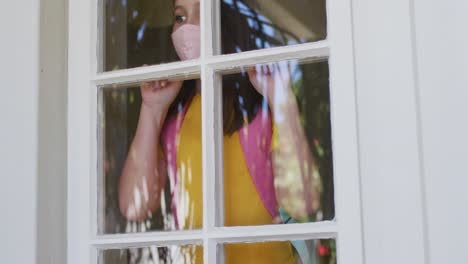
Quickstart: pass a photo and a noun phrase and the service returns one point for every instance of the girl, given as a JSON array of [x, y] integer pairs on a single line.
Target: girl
[[267, 167]]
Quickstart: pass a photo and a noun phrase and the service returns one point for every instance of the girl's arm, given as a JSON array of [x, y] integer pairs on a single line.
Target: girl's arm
[[144, 174], [297, 190]]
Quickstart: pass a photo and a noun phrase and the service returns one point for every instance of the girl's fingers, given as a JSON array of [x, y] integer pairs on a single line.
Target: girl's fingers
[[145, 85], [159, 84], [266, 69], [252, 74], [271, 68], [155, 84], [259, 69]]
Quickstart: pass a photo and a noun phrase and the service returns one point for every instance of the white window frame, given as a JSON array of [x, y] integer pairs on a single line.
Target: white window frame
[[83, 81]]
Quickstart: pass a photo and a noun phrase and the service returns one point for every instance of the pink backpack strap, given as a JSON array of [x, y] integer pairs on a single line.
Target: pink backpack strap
[[256, 140]]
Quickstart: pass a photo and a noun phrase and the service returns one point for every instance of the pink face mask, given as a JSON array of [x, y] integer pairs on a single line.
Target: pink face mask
[[186, 41]]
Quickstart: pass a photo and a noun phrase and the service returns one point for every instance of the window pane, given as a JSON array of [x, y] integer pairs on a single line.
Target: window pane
[[277, 144], [280, 252], [151, 168], [257, 24], [142, 32], [187, 254]]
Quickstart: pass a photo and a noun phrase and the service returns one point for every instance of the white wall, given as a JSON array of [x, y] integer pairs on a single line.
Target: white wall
[[412, 86], [442, 64], [32, 132], [19, 75]]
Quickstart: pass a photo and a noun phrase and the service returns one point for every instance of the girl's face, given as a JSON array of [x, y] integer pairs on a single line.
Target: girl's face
[[186, 12]]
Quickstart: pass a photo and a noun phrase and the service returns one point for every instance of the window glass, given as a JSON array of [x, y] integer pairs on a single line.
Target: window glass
[[143, 32], [277, 144], [258, 24], [150, 165], [280, 252], [186, 254]]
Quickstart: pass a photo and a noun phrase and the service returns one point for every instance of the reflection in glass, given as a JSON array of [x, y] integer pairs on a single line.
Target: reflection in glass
[[258, 24], [187, 254], [280, 252], [277, 144], [143, 32], [151, 160]]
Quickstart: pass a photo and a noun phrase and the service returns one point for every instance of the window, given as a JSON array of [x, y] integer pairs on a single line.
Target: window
[[204, 212]]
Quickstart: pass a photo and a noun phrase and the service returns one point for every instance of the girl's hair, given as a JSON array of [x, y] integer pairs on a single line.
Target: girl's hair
[[240, 99]]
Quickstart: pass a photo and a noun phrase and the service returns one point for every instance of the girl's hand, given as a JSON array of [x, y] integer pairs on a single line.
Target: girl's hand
[[158, 95], [271, 81]]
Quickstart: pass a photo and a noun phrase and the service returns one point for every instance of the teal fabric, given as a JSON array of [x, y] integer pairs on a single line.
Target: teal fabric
[[305, 249]]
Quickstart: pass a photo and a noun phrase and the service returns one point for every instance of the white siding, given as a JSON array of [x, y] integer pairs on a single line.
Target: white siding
[[388, 133], [442, 56], [411, 63], [33, 131], [19, 71]]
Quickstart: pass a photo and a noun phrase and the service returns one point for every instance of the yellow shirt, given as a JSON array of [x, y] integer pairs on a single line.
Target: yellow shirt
[[242, 204]]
